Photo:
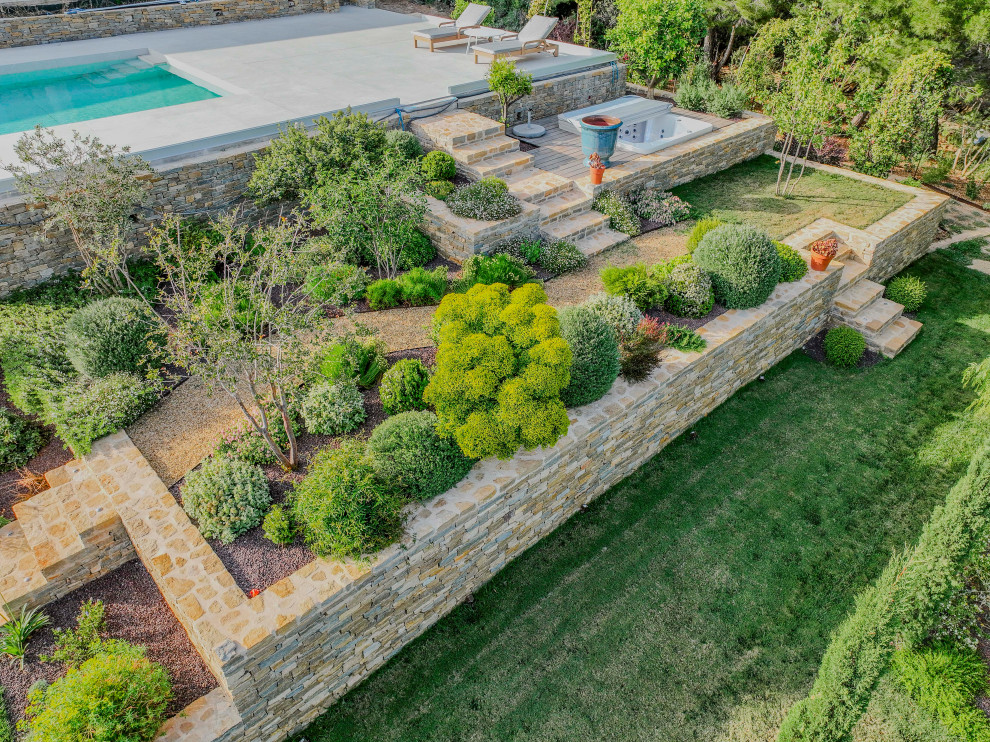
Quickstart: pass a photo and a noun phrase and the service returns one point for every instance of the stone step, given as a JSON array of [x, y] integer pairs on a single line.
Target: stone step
[[537, 186], [484, 149], [20, 573], [896, 337], [454, 129], [563, 205], [498, 166], [852, 271], [876, 318], [57, 522], [600, 240], [575, 227], [857, 297]]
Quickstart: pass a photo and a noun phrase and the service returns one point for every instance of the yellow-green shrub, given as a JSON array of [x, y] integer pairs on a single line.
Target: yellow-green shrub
[[501, 366]]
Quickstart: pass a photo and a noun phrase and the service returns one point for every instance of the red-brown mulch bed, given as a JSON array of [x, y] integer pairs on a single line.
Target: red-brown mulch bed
[[816, 349], [692, 323], [135, 612], [253, 561]]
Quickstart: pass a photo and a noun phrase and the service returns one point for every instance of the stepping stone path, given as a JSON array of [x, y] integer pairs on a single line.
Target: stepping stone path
[[482, 150]]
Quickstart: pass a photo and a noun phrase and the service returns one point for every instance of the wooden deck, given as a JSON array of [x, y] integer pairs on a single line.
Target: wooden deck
[[559, 151]]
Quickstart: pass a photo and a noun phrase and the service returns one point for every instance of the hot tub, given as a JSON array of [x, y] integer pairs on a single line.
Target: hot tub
[[647, 125]]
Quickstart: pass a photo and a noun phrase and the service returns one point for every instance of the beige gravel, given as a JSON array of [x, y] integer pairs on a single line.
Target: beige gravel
[[183, 428]]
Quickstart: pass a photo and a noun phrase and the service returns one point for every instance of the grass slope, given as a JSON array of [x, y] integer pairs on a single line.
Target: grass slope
[[745, 193], [694, 600]]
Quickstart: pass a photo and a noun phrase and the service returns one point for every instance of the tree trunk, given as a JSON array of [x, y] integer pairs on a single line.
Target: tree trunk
[[790, 170], [709, 47], [783, 160], [724, 59], [804, 162]]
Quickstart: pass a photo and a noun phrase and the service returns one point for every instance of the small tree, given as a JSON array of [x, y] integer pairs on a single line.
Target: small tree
[[501, 366], [658, 39], [90, 188], [373, 209], [905, 123], [250, 334], [509, 84]]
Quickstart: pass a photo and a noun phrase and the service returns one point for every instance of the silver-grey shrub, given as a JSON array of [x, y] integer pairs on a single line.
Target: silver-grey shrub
[[488, 200], [620, 312], [689, 291], [334, 409], [227, 497]]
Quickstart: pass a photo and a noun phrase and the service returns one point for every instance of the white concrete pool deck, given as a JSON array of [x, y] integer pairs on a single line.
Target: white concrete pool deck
[[277, 70]]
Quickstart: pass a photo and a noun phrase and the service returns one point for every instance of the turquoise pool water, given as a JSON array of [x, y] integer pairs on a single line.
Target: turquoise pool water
[[64, 95]]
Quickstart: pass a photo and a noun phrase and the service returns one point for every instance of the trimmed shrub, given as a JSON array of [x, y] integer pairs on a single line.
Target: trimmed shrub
[[638, 282], [685, 339], [439, 189], [701, 228], [405, 143], [20, 440], [82, 414], [742, 262], [558, 257], [334, 408], [226, 497], [945, 680], [619, 211], [729, 101], [910, 291], [595, 348], [118, 695], [278, 526], [661, 207], [420, 287], [384, 293], [690, 292], [488, 200], [403, 385], [111, 336], [342, 508], [620, 312], [793, 266], [492, 269], [418, 251], [501, 365], [438, 165], [408, 453], [844, 347], [339, 284]]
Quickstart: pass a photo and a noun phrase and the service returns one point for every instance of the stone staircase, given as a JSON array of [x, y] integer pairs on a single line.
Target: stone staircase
[[61, 539], [481, 149], [861, 305]]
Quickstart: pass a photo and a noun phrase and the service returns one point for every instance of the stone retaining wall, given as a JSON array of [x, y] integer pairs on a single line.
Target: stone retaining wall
[[457, 238], [48, 29], [552, 97]]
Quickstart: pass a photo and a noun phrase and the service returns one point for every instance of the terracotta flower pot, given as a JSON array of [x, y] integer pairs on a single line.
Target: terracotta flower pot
[[819, 262], [596, 175]]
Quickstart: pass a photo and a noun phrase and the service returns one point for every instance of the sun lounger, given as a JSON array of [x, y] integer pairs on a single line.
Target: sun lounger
[[530, 40], [472, 17]]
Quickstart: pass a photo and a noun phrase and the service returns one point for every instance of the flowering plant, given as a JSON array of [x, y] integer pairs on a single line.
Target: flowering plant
[[595, 161], [827, 247]]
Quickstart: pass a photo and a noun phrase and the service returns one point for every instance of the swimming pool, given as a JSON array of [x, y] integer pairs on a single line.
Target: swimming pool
[[65, 95]]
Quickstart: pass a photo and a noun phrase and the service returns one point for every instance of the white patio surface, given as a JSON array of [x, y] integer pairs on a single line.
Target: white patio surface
[[276, 70]]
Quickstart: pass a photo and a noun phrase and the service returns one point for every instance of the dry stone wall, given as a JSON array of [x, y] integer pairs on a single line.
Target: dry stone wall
[[48, 29]]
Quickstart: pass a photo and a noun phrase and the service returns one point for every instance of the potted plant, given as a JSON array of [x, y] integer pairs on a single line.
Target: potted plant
[[598, 136], [822, 252], [597, 168]]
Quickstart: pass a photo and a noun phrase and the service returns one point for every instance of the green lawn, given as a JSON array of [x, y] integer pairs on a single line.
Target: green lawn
[[694, 600], [745, 193]]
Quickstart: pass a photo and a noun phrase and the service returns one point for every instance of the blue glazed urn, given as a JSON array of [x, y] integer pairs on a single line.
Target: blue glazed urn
[[599, 134]]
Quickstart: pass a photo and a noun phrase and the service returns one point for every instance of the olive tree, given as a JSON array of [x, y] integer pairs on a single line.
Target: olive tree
[[90, 188], [235, 320], [509, 84]]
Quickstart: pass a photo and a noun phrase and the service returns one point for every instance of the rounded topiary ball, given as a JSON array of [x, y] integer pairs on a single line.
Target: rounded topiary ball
[[595, 348], [742, 262], [910, 291], [438, 165], [689, 291], [407, 451], [844, 347], [227, 497], [112, 336], [403, 385]]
